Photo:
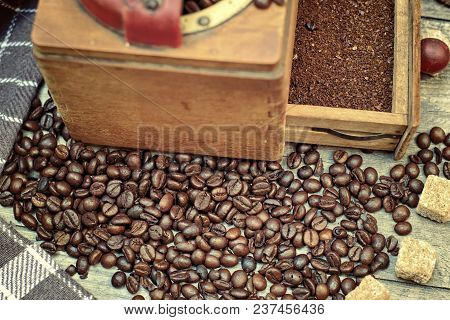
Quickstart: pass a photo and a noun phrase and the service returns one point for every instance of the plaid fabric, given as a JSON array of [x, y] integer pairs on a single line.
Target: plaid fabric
[[26, 270], [19, 75]]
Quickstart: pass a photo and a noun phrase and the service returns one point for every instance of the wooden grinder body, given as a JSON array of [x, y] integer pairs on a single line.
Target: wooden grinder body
[[223, 93]]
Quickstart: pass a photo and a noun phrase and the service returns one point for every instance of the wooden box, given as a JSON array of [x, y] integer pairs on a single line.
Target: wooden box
[[223, 93], [390, 131]]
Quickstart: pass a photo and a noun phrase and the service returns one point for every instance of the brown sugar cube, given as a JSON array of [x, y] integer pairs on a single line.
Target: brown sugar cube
[[416, 260], [369, 289], [435, 199]]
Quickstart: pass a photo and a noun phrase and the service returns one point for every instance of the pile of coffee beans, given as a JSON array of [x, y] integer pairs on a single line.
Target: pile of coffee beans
[[431, 159], [176, 225]]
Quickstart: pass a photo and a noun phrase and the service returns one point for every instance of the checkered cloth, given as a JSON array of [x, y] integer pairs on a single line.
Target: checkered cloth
[[26, 270], [19, 75]]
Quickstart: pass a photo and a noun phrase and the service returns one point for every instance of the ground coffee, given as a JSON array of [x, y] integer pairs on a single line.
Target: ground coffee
[[343, 54]]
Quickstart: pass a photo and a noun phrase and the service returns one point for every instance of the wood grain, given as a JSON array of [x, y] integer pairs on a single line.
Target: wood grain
[[345, 119], [401, 46], [435, 10], [406, 291], [413, 86]]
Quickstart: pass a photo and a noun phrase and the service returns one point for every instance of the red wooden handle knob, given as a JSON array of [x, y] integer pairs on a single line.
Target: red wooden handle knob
[[139, 24]]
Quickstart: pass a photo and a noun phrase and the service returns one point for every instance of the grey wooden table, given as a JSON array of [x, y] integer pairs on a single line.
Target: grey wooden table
[[435, 111]]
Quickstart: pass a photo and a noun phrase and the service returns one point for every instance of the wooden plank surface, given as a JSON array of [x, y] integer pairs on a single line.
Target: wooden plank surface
[[435, 111], [435, 10]]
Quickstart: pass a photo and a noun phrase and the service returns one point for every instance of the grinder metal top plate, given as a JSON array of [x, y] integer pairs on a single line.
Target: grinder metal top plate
[[213, 16]]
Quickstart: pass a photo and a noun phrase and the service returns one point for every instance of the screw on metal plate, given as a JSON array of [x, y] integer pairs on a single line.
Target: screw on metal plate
[[203, 21], [151, 4]]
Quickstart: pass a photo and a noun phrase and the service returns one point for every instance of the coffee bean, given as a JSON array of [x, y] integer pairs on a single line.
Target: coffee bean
[[295, 186], [412, 170], [353, 213], [327, 203], [242, 203], [132, 285], [294, 160], [71, 270], [413, 200], [403, 228], [361, 270], [425, 155], [381, 260], [397, 172], [354, 254], [311, 238], [259, 282], [400, 214], [389, 204], [71, 219], [126, 199], [378, 242], [446, 153], [342, 179], [262, 4], [348, 225], [354, 161], [311, 157], [119, 279], [438, 154], [423, 140], [336, 169], [392, 245], [348, 285], [320, 264], [322, 291], [446, 169], [29, 221], [340, 156], [333, 284], [370, 176], [397, 190], [437, 135], [326, 180], [430, 168], [301, 293], [358, 174], [286, 178], [373, 204], [363, 237], [340, 247], [147, 253], [115, 242], [367, 255], [5, 182], [48, 141], [305, 172], [166, 202], [312, 185], [82, 265]]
